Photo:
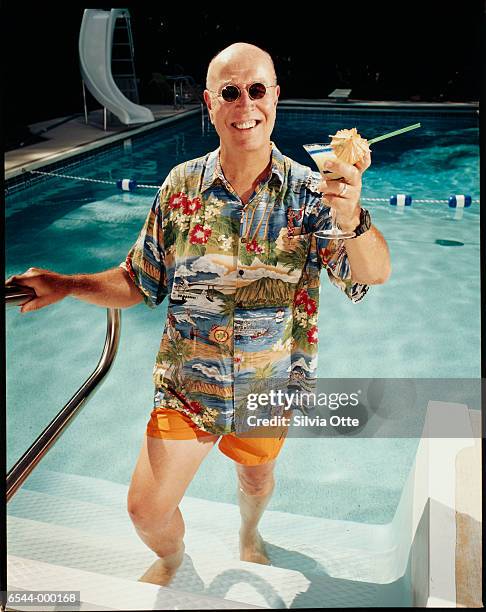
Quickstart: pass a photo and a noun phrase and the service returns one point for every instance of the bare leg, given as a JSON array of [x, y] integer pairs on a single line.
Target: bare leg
[[254, 493], [169, 539], [162, 474]]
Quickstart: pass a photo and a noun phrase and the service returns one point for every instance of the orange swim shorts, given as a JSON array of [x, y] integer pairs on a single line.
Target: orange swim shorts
[[171, 424]]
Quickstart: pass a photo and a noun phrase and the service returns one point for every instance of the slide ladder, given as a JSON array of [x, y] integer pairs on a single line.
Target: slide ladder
[[123, 60]]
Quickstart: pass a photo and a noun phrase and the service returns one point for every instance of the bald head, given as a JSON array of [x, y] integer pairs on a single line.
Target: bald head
[[235, 55], [244, 123]]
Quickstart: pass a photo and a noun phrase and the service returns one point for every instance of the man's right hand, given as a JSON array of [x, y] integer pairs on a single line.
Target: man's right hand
[[49, 287]]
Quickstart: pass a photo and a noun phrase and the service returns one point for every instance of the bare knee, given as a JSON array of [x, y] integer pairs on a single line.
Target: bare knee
[[146, 512], [258, 481]]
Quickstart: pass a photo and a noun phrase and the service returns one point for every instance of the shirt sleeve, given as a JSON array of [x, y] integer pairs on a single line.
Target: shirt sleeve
[[333, 257], [145, 262]]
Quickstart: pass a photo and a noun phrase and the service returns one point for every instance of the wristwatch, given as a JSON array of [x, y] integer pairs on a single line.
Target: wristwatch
[[364, 222]]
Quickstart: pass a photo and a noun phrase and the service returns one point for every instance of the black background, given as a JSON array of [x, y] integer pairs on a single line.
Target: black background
[[395, 51]]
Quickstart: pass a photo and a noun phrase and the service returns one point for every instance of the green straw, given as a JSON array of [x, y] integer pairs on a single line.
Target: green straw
[[395, 133]]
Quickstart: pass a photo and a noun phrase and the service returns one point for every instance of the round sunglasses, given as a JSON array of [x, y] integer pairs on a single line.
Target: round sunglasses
[[231, 93]]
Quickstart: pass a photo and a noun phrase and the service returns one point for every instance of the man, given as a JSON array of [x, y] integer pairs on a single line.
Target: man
[[229, 238]]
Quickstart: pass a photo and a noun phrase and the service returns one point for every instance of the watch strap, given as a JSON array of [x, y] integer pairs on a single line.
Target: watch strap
[[364, 222]]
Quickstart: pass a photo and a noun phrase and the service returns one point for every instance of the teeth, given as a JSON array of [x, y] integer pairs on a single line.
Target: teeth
[[246, 125]]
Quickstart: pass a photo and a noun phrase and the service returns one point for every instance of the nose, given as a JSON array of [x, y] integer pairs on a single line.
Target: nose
[[244, 100]]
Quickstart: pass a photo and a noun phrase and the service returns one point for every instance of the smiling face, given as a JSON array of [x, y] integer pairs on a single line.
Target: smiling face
[[246, 124]]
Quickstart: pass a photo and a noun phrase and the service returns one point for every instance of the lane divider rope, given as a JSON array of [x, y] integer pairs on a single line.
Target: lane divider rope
[[89, 180], [143, 186]]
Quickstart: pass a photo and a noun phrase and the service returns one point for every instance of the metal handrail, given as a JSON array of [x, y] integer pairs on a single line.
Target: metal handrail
[[15, 294], [202, 118], [178, 80], [206, 123]]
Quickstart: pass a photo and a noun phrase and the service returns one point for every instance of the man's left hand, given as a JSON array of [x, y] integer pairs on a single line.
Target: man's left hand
[[343, 195]]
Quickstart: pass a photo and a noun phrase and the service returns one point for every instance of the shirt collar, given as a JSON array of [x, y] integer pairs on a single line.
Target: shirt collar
[[213, 171]]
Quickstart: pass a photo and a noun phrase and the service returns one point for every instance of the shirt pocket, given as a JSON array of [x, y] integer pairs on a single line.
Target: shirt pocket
[[290, 254]]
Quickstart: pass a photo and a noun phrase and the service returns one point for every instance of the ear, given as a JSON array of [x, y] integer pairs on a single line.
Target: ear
[[207, 98], [277, 93]]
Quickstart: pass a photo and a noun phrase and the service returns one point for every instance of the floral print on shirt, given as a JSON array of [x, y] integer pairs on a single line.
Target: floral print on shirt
[[243, 285]]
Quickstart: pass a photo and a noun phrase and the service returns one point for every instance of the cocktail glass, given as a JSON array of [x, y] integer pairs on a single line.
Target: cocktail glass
[[321, 152]]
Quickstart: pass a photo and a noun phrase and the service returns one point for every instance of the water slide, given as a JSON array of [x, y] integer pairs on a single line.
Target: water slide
[[95, 43]]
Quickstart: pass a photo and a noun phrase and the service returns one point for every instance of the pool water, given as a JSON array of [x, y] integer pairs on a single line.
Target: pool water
[[423, 323]]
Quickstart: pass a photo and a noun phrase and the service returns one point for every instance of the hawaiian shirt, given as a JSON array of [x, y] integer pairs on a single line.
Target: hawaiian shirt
[[243, 282]]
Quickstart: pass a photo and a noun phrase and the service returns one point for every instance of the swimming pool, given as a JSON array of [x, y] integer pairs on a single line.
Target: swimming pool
[[425, 320]]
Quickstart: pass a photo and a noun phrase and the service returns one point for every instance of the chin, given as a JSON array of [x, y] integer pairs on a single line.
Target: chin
[[250, 144]]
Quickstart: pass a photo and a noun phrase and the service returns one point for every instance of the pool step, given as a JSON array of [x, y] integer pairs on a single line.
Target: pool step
[[202, 574], [316, 562], [100, 592], [343, 549]]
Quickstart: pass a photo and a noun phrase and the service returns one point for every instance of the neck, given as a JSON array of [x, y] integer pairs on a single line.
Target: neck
[[244, 169]]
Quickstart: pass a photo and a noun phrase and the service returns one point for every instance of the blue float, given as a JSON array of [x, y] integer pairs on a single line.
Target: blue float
[[460, 201], [400, 199], [126, 184]]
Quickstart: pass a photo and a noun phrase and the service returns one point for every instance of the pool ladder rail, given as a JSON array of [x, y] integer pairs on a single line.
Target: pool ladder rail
[[207, 126], [14, 296]]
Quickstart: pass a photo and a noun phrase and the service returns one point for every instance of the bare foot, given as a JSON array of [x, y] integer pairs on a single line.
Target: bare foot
[[252, 548], [163, 569]]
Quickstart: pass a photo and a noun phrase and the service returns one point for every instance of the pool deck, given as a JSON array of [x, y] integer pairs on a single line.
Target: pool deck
[[469, 520], [63, 135]]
